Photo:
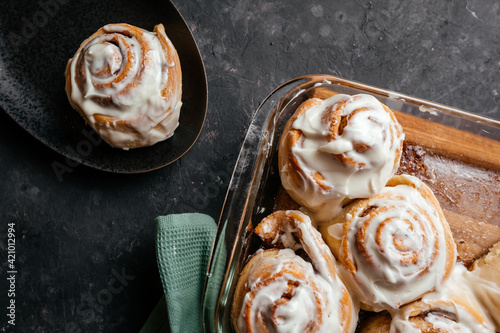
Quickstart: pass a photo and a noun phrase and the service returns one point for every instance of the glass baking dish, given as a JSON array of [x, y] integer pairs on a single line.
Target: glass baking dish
[[455, 152]]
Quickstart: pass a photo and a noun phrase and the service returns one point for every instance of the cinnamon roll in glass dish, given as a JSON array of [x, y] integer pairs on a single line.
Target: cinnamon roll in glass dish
[[485, 281], [279, 290], [336, 149], [452, 308], [126, 83], [393, 247]]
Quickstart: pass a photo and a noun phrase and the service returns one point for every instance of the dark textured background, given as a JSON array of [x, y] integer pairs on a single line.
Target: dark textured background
[[74, 236]]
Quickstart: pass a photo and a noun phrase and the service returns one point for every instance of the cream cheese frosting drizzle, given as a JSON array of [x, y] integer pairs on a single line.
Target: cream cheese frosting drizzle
[[353, 143], [120, 76], [394, 247], [451, 308], [484, 279], [315, 297], [312, 295]]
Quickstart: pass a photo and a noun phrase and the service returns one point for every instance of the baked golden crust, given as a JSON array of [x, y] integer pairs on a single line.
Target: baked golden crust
[[444, 314], [289, 139], [486, 282], [393, 244], [288, 281], [127, 71], [340, 148]]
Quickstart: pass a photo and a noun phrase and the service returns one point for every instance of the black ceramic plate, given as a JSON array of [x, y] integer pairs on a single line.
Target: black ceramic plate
[[36, 40]]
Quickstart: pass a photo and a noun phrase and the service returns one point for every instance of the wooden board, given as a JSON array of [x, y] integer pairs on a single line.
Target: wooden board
[[451, 142]]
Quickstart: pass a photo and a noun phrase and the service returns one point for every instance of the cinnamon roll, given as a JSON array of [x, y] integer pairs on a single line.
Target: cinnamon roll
[[454, 308], [279, 291], [126, 83], [485, 281], [394, 246], [340, 148]]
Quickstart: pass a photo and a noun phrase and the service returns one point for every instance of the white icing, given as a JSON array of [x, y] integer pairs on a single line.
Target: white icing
[[409, 226], [303, 297], [432, 111], [487, 290], [319, 284], [335, 230], [447, 311], [142, 105], [372, 126]]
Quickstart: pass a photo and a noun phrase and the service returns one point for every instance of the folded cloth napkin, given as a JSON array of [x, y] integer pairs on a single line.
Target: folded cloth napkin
[[183, 246]]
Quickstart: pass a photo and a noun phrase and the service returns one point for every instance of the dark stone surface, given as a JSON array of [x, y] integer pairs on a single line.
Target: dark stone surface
[[74, 236], [32, 84]]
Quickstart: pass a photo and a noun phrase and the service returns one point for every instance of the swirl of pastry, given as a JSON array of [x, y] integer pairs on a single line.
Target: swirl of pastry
[[279, 291], [454, 308], [485, 281], [343, 147], [126, 83], [393, 247]]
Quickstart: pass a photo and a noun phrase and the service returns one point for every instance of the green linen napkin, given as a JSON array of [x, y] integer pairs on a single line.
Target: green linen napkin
[[183, 246]]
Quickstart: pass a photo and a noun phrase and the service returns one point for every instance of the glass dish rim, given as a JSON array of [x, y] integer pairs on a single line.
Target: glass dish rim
[[260, 148]]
